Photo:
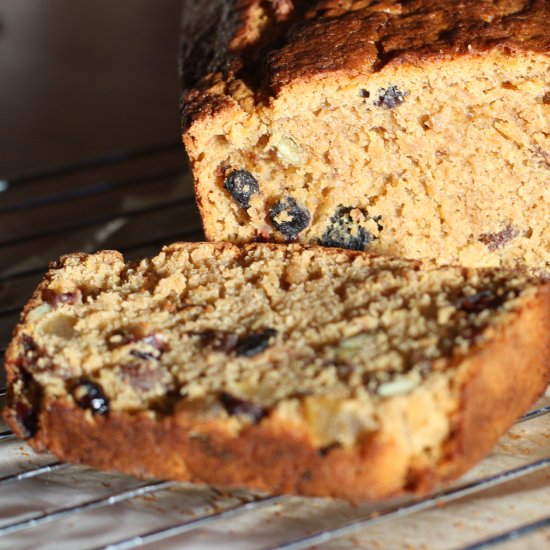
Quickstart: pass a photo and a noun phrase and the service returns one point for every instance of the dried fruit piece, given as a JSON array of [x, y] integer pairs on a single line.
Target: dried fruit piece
[[494, 241], [241, 185], [289, 218], [239, 407], [486, 299], [346, 230], [89, 395], [255, 343], [389, 98]]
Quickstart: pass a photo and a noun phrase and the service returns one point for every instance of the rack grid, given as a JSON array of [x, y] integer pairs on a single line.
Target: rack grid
[[136, 201]]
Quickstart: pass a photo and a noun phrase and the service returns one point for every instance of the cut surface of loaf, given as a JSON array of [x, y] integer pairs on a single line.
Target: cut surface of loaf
[[287, 369], [418, 129]]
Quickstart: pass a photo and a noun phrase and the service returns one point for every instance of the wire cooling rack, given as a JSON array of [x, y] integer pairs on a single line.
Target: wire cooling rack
[[135, 201]]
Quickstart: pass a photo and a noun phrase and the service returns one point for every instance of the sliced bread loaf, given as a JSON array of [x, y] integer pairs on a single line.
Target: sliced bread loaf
[[288, 369], [416, 129]]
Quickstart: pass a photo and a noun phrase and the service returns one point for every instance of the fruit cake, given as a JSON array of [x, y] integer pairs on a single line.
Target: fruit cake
[[415, 128], [283, 368]]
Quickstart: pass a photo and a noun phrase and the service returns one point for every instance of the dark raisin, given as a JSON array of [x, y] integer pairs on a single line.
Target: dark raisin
[[289, 218], [239, 407], [241, 185], [389, 98], [324, 451], [364, 93], [485, 299], [494, 241], [255, 343], [344, 232], [27, 419], [89, 395]]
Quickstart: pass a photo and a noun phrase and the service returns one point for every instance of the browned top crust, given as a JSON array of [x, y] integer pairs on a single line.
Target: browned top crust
[[271, 43]]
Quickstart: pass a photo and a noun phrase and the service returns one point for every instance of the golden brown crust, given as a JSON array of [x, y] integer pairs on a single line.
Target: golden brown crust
[[497, 383], [224, 42], [501, 380]]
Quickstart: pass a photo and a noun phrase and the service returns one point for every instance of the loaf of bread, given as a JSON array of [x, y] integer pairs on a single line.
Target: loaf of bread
[[288, 369], [415, 128]]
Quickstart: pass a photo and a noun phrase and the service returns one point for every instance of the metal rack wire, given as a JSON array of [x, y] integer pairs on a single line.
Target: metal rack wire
[[124, 201]]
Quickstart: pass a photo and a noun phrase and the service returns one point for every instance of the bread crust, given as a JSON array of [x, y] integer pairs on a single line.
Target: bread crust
[[496, 382], [271, 45]]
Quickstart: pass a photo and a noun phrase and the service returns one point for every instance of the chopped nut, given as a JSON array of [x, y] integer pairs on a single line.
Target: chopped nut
[[396, 387], [288, 151], [39, 312]]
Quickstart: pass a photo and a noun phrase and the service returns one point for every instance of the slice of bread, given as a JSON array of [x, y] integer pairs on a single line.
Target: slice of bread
[[416, 129], [288, 369]]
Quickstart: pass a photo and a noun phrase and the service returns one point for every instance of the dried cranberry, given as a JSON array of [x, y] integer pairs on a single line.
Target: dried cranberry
[[255, 343], [89, 395], [241, 185], [390, 97], [239, 407], [485, 299], [289, 218]]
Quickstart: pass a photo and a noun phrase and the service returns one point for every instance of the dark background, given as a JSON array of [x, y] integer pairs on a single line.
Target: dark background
[[87, 79], [79, 78]]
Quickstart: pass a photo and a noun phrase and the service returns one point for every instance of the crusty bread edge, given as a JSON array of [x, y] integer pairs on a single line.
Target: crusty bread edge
[[497, 382]]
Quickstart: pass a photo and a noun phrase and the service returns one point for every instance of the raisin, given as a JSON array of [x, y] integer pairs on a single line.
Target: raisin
[[494, 241], [240, 407], [241, 185], [344, 232], [364, 93], [289, 218], [485, 299], [255, 343], [389, 98], [89, 395]]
